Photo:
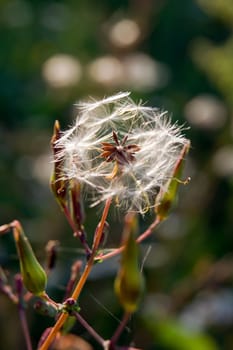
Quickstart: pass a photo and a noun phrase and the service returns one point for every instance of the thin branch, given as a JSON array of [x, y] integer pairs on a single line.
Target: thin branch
[[90, 330], [141, 238], [21, 309], [119, 330], [77, 232], [62, 318]]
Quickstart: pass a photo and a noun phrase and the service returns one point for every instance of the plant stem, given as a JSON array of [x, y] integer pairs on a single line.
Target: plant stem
[[149, 231], [62, 318], [141, 238], [90, 330], [21, 309], [25, 329], [76, 232], [119, 330]]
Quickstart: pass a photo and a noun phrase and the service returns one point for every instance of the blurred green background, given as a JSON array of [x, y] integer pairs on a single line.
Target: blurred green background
[[175, 55]]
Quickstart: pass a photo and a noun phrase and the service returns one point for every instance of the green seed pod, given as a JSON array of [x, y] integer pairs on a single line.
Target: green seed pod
[[46, 309], [76, 204], [129, 281], [58, 186], [33, 275], [167, 199]]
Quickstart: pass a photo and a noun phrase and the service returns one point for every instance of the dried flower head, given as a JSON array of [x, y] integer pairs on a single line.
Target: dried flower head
[[121, 150]]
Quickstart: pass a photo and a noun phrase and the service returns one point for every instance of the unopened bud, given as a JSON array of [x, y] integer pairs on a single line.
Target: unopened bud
[[45, 308], [33, 275], [76, 204], [51, 250], [58, 186], [167, 199], [129, 281], [130, 224]]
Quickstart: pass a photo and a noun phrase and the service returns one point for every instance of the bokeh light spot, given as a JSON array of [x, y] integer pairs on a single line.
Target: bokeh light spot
[[61, 71], [106, 70], [144, 73], [124, 33], [206, 112], [222, 161]]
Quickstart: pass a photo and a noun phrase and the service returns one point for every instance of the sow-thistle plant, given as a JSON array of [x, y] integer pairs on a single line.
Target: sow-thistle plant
[[116, 153], [117, 149]]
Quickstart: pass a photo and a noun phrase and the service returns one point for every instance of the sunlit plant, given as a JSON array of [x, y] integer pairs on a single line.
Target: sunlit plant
[[122, 151], [116, 154]]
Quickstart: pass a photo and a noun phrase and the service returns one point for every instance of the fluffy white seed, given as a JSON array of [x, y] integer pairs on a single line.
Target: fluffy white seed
[[133, 182]]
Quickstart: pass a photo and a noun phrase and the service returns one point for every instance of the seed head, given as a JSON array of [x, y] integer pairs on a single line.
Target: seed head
[[118, 149]]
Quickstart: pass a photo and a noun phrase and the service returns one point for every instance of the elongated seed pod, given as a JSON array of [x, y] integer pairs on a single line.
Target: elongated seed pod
[[33, 274]]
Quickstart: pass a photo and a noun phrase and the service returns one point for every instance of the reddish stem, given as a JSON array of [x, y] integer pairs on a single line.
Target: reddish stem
[[77, 232], [141, 238], [119, 330], [62, 318], [21, 309], [90, 330]]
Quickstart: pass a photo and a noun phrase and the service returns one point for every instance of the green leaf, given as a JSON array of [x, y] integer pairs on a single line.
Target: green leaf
[[175, 336]]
